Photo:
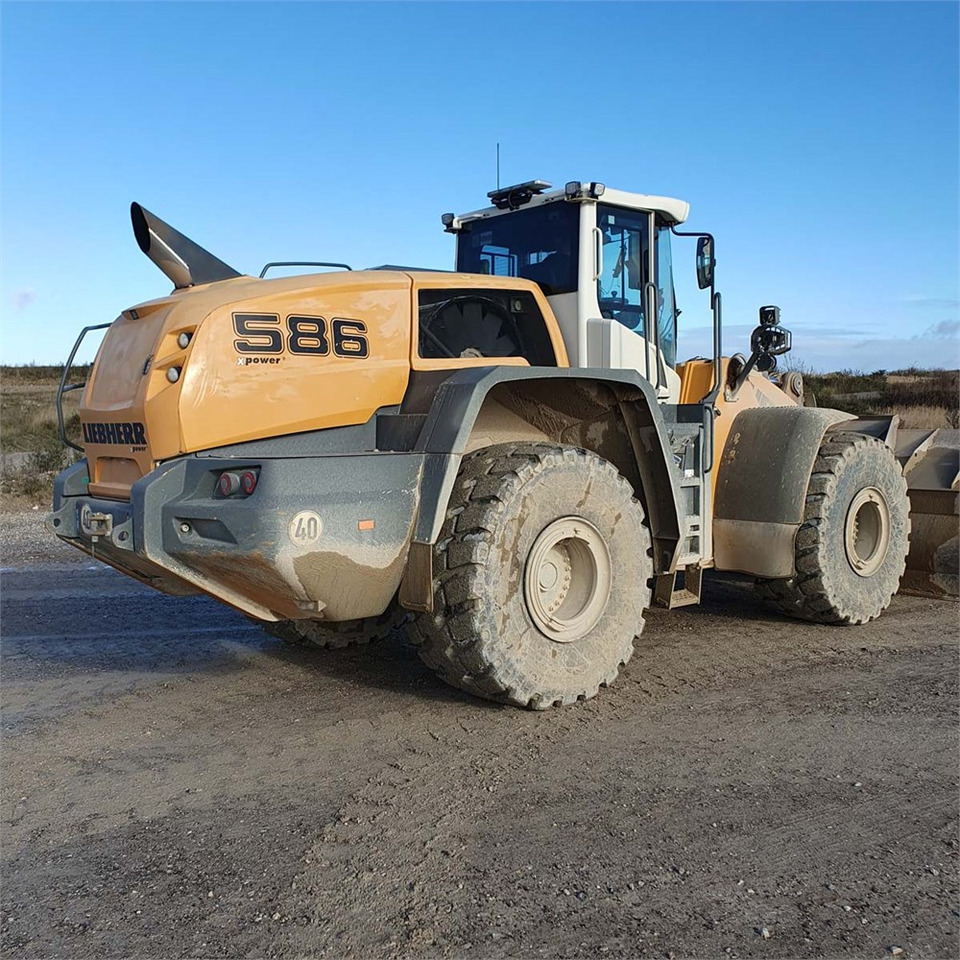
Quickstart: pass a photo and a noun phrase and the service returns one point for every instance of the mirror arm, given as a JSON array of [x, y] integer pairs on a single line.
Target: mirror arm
[[715, 306]]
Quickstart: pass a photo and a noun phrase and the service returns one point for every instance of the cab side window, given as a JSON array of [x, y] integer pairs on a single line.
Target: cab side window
[[473, 323], [626, 250]]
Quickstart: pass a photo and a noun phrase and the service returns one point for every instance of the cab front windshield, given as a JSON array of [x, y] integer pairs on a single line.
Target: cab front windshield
[[539, 243]]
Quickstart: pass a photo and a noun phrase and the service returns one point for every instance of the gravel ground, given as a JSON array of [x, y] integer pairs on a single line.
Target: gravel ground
[[176, 783]]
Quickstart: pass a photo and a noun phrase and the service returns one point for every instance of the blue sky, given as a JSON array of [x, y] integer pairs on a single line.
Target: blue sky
[[817, 141]]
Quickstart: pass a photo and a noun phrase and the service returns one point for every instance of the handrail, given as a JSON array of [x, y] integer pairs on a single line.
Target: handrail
[[302, 263], [652, 297], [717, 349], [597, 253], [63, 388]]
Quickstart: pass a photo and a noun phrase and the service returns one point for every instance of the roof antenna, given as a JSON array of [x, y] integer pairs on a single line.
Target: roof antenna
[[498, 164]]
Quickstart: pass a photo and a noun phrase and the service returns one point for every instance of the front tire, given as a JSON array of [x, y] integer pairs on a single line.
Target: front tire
[[542, 576], [851, 549]]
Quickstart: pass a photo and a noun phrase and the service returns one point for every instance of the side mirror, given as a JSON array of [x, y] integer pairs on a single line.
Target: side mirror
[[705, 262]]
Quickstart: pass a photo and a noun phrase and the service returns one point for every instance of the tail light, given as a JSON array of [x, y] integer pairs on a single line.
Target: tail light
[[228, 484], [237, 484]]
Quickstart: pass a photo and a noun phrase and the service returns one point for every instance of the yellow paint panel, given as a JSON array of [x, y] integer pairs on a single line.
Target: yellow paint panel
[[228, 396], [294, 376], [220, 397]]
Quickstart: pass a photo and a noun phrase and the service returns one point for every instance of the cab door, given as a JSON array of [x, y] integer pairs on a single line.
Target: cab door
[[630, 291]]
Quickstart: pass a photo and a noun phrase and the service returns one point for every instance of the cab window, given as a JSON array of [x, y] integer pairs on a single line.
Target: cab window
[[481, 322], [666, 301], [626, 248], [539, 243]]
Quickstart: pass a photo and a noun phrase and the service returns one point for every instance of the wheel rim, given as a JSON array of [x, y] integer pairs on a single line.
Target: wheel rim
[[867, 532], [567, 579]]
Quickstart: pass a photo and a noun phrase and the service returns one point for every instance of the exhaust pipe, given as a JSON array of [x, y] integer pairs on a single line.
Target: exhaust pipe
[[183, 261]]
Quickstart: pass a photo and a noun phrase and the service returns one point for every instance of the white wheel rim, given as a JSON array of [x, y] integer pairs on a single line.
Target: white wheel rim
[[867, 532], [567, 579]]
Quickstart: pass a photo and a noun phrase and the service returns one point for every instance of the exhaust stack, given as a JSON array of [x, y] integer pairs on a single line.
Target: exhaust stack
[[183, 261]]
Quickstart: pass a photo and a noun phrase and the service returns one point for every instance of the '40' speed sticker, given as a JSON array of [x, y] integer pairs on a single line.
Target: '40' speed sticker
[[306, 527]]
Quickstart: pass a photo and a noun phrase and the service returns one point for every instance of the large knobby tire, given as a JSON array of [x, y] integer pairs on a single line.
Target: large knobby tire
[[851, 549], [542, 574], [335, 636]]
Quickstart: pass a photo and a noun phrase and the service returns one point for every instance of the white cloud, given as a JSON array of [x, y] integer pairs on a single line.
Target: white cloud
[[944, 330], [23, 298], [923, 302], [824, 350]]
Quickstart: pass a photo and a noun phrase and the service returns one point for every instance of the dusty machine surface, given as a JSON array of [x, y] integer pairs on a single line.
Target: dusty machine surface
[[507, 459]]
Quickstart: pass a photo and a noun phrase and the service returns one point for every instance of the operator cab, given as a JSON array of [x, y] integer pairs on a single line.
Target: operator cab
[[603, 259]]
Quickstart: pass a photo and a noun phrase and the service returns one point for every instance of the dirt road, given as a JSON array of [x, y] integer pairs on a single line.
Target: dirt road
[[176, 783]]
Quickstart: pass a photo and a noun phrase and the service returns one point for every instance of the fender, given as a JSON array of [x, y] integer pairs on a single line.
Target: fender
[[453, 412], [761, 486]]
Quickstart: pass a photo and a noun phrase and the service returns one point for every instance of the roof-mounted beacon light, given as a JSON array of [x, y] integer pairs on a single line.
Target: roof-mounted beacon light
[[510, 198]]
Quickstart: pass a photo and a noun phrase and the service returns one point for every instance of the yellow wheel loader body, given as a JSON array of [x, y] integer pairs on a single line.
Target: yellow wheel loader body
[[337, 453]]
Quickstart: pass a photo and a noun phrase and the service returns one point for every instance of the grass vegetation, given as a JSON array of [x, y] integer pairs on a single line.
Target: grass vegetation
[[922, 398], [28, 418], [28, 427]]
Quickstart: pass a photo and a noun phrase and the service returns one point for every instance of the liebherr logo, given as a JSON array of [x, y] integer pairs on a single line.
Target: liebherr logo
[[129, 434]]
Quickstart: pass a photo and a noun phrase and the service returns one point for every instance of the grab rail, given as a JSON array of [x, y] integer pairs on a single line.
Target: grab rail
[[64, 388], [302, 263]]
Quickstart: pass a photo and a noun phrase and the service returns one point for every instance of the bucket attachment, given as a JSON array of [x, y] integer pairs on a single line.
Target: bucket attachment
[[932, 472]]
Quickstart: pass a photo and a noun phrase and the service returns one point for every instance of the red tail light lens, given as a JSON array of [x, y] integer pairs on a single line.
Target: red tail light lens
[[228, 484], [248, 482]]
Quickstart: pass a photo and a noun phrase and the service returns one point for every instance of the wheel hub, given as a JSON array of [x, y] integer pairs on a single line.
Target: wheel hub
[[567, 579], [867, 532]]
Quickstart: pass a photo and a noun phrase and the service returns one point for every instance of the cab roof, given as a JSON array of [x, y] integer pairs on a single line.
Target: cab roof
[[676, 211]]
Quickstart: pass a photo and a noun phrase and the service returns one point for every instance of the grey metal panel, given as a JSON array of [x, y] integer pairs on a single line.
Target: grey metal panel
[[766, 464], [436, 485], [70, 483], [241, 550]]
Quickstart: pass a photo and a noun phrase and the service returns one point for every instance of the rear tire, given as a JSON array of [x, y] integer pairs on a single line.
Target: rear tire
[[851, 549], [542, 576], [336, 636]]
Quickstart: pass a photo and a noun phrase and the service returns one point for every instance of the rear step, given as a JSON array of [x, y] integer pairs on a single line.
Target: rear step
[[667, 594]]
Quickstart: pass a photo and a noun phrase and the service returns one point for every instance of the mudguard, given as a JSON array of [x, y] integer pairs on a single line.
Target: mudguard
[[453, 413], [761, 486]]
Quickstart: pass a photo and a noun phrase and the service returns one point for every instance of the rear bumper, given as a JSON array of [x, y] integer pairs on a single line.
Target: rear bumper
[[321, 537]]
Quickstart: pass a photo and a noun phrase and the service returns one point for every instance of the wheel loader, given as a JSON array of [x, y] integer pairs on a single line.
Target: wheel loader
[[508, 459]]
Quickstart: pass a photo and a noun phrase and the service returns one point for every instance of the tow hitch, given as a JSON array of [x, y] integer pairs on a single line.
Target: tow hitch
[[95, 524]]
